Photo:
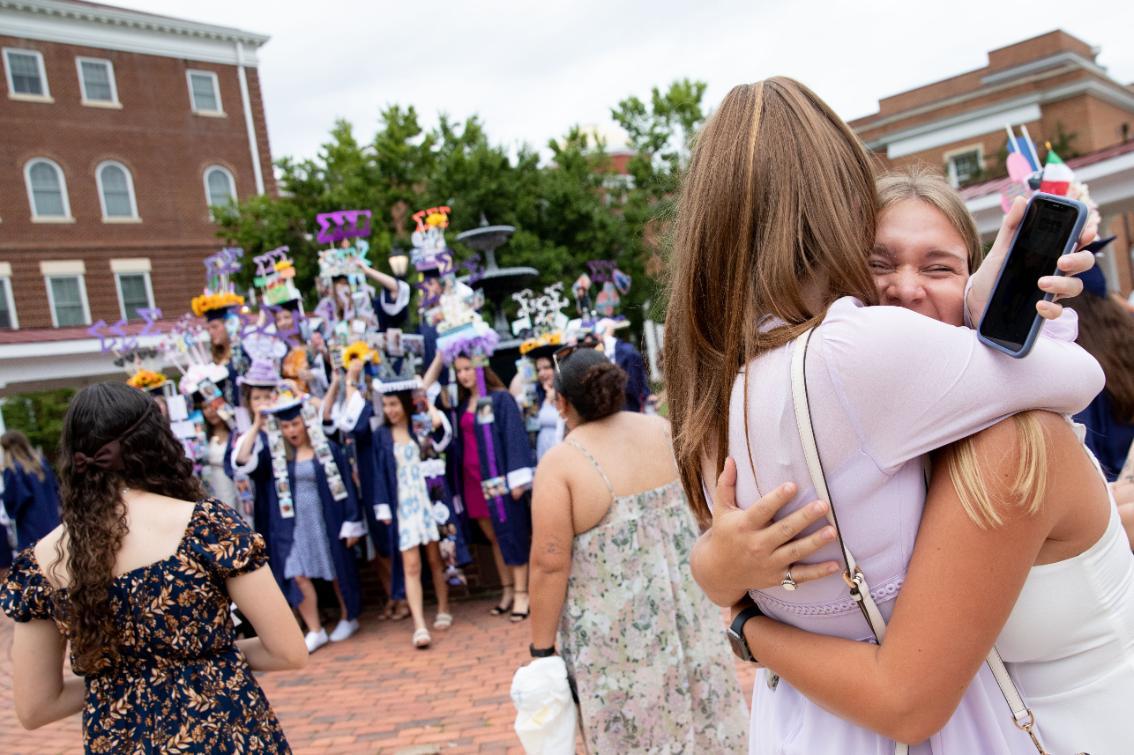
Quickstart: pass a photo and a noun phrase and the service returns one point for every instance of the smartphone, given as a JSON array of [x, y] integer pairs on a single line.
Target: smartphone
[[1050, 228]]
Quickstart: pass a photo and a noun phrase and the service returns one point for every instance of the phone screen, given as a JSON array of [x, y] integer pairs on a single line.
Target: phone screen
[[1043, 236]]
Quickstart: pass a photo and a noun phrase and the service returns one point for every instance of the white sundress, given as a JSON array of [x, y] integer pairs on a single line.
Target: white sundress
[[416, 525]]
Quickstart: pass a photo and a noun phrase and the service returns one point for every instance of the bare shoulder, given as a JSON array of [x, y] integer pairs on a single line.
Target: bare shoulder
[[46, 549], [159, 513]]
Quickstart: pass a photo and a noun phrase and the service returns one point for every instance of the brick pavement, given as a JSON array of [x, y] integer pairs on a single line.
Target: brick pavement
[[371, 694]]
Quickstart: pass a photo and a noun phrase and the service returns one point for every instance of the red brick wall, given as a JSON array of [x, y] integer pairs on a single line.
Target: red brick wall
[[165, 145]]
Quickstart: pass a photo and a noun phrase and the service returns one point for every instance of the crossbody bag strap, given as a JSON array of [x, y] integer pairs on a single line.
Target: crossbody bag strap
[[853, 576]]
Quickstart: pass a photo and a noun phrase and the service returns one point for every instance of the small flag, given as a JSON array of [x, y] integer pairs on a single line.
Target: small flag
[[1057, 176]]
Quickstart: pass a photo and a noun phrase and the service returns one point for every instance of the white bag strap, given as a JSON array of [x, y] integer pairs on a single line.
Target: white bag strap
[[852, 575]]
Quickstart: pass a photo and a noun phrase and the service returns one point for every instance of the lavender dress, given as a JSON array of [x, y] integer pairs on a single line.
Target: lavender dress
[[886, 386]]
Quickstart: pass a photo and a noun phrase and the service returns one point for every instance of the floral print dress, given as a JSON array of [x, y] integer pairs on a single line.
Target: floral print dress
[[643, 643], [175, 682]]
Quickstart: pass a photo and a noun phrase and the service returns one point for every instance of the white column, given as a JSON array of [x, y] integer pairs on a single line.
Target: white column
[[249, 123]]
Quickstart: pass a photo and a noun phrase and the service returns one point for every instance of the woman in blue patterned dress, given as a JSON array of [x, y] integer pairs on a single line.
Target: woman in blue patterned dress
[[139, 579], [402, 478]]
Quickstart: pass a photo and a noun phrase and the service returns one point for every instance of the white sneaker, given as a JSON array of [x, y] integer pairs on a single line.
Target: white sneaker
[[315, 640], [344, 629]]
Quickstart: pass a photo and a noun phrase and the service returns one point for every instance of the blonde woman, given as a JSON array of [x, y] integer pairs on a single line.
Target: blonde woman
[[885, 386], [31, 493]]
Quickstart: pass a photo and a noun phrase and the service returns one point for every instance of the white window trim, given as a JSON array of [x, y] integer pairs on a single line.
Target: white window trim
[[948, 158], [113, 101], [82, 297], [12, 93], [6, 287], [133, 216], [66, 217], [219, 112], [231, 180], [122, 299], [130, 265], [63, 267]]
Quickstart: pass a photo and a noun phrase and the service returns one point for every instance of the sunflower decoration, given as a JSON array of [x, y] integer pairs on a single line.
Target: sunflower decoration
[[210, 302], [359, 350], [146, 380]]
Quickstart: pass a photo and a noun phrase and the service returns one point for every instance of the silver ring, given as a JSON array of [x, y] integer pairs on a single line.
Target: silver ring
[[788, 583]]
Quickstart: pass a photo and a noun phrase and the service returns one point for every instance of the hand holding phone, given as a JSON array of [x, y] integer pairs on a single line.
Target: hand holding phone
[[1049, 229]]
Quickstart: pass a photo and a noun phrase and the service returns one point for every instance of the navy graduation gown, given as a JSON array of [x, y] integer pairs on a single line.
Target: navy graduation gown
[[383, 535], [32, 504], [386, 489], [514, 461], [392, 310], [637, 384], [282, 530]]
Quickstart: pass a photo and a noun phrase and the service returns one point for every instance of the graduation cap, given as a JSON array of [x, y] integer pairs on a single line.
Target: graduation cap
[[219, 297], [262, 374], [289, 407]]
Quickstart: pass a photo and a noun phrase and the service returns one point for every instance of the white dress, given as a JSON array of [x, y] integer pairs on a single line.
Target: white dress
[[1069, 646], [219, 484]]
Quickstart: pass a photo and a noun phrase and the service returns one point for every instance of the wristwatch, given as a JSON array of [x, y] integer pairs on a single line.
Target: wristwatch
[[735, 633], [541, 652]]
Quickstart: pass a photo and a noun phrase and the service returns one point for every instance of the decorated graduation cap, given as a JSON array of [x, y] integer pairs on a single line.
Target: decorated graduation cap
[[148, 380], [219, 298], [262, 374], [431, 255], [203, 382], [287, 407], [398, 356], [275, 277], [540, 321]]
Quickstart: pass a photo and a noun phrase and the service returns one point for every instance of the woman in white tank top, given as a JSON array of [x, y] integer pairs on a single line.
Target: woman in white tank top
[[1069, 640]]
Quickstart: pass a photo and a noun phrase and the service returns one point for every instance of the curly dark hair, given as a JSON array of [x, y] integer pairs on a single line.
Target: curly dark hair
[[592, 384], [93, 512]]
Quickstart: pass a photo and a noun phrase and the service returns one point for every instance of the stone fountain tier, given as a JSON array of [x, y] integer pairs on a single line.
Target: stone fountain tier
[[498, 284]]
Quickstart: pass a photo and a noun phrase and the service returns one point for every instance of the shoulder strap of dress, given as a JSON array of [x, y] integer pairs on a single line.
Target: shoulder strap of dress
[[594, 463]]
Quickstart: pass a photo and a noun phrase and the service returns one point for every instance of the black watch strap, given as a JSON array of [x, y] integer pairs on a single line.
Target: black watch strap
[[736, 636], [541, 652]]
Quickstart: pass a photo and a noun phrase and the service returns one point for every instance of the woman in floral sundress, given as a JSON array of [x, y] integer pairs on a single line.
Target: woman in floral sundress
[[610, 567], [140, 580]]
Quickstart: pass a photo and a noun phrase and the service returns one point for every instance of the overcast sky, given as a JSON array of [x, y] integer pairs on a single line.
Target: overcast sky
[[532, 69]]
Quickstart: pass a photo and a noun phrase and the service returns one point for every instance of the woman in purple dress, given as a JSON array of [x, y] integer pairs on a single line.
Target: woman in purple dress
[[885, 386]]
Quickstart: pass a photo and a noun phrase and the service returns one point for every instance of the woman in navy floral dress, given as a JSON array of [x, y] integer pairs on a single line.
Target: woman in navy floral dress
[[140, 580]]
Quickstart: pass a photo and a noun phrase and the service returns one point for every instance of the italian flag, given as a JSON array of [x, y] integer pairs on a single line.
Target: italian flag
[[1057, 176]]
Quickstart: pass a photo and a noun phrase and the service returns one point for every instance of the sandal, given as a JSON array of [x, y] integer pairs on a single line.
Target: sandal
[[401, 611], [421, 639], [517, 616], [443, 621], [504, 605]]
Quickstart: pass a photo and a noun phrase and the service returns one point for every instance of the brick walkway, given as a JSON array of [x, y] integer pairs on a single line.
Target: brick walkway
[[371, 694]]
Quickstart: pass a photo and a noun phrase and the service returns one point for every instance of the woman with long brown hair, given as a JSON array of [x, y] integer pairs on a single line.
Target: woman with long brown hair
[[775, 228], [31, 493], [139, 578]]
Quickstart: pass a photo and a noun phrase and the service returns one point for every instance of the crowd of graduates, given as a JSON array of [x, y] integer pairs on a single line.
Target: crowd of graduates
[[350, 441]]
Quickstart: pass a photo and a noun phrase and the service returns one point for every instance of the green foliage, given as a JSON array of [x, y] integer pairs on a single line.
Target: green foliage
[[39, 416], [567, 210]]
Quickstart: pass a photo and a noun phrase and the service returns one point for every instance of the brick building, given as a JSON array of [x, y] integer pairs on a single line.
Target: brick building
[[121, 129], [1053, 85]]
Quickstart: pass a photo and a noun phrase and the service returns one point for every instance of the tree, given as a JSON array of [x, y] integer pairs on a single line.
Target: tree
[[567, 211], [39, 415]]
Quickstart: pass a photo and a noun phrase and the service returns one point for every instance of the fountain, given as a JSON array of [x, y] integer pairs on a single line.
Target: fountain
[[498, 284]]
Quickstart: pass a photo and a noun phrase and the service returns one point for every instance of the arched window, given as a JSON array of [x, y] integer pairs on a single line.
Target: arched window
[[220, 186], [116, 191], [47, 190]]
